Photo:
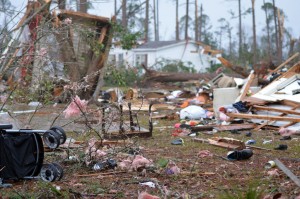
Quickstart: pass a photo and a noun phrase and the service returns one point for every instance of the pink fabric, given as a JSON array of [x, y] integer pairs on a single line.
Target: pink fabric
[[177, 125], [134, 164], [204, 153], [273, 172], [139, 161], [172, 168], [75, 107], [175, 169], [223, 117], [93, 153], [286, 132], [145, 195], [125, 165]]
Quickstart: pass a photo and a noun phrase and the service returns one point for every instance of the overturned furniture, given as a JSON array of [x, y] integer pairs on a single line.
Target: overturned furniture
[[121, 129]]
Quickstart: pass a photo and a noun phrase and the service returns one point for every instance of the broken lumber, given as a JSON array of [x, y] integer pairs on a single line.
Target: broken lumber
[[284, 63], [228, 143], [267, 122], [276, 110], [203, 128], [283, 168], [246, 86], [235, 127], [262, 117]]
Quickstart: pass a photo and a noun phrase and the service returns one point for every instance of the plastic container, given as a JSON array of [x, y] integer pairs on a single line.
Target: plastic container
[[270, 164]]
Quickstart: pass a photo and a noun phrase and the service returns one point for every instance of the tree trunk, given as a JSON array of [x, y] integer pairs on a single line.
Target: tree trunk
[[147, 22], [254, 33], [280, 31], [268, 33], [164, 77], [240, 31], [200, 30], [292, 45], [124, 14], [196, 21], [155, 21], [230, 41], [186, 36], [276, 27], [115, 6], [177, 22], [83, 6], [61, 4]]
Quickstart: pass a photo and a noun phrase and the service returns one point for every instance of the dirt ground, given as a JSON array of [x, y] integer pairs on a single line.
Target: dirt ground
[[200, 177]]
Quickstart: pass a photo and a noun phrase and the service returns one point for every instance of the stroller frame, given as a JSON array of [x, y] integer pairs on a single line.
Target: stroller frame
[[22, 153]]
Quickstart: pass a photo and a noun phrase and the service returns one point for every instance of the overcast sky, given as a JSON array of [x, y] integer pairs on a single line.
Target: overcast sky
[[215, 9]]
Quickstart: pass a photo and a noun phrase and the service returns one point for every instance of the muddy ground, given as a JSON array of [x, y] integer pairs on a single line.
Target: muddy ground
[[200, 177]]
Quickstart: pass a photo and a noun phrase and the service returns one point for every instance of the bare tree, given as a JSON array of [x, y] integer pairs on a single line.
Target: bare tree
[[186, 20], [83, 6], [196, 21], [155, 21], [221, 29], [177, 22], [280, 18], [61, 4], [240, 30], [265, 7], [115, 7], [124, 14], [276, 27], [147, 22], [254, 32], [229, 34], [200, 28]]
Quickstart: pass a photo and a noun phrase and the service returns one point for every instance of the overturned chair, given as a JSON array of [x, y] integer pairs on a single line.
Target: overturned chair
[[22, 154]]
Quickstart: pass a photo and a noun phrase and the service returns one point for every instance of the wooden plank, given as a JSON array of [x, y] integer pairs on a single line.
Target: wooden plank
[[82, 16], [257, 147], [247, 86], [284, 63], [283, 114], [102, 34], [263, 117], [276, 110], [290, 103], [203, 128], [283, 168], [227, 143], [253, 100], [235, 127], [289, 73]]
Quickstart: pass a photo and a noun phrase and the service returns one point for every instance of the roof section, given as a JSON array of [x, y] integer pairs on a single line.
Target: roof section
[[84, 17], [157, 44]]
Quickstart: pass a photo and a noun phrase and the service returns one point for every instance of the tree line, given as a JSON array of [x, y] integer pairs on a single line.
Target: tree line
[[273, 45]]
